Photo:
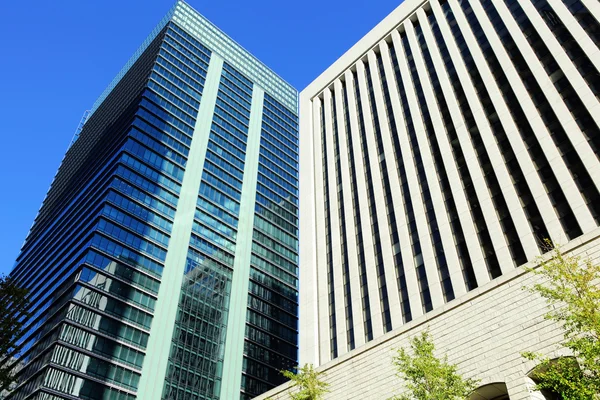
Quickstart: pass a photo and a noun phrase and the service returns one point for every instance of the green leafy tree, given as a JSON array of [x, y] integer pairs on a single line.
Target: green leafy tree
[[571, 288], [13, 314], [308, 383], [427, 377]]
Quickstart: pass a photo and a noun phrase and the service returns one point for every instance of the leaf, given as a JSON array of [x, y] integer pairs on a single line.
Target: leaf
[[14, 312], [570, 287], [308, 382], [427, 377]]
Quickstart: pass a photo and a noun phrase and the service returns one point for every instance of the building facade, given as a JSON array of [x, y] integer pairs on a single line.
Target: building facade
[[438, 154], [163, 261], [484, 332]]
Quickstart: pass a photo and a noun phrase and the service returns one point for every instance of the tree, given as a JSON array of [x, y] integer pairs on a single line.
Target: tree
[[309, 383], [571, 288], [13, 315], [427, 377]]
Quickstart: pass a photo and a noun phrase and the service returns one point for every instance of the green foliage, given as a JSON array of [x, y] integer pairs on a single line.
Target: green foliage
[[562, 376], [309, 383], [571, 288], [427, 377], [13, 314]]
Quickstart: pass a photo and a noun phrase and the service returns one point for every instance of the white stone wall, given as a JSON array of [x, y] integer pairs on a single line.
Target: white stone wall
[[337, 114], [484, 332]]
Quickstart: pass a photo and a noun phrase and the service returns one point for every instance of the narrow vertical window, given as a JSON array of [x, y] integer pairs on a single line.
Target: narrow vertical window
[[395, 239], [343, 236], [368, 324], [383, 295], [330, 280]]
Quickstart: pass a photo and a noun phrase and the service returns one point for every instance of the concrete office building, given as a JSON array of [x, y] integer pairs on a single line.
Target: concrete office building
[[437, 154], [163, 261]]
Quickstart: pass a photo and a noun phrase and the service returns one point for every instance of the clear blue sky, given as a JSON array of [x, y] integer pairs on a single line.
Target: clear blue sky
[[58, 56]]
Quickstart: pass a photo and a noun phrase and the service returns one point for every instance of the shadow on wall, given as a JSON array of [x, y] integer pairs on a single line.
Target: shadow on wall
[[491, 391], [532, 381], [499, 391]]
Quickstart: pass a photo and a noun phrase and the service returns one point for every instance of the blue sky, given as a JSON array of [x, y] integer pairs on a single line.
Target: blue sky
[[58, 56]]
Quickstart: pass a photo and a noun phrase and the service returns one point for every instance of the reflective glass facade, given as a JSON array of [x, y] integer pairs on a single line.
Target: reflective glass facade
[[270, 344], [135, 254]]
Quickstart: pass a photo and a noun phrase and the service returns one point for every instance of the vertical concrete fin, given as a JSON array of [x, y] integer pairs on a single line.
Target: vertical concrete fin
[[155, 365], [234, 342]]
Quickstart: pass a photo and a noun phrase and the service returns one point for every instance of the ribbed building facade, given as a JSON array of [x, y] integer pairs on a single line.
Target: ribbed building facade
[[163, 261], [437, 155]]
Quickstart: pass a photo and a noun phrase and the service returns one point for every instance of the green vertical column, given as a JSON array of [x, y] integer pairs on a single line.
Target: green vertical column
[[161, 334], [236, 322]]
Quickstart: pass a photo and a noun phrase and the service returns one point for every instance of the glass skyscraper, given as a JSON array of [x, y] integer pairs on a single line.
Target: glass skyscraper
[[163, 261]]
